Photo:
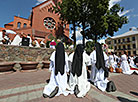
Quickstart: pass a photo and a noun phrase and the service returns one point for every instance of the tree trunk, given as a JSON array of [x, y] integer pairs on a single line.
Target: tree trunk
[[83, 30], [74, 29], [95, 38]]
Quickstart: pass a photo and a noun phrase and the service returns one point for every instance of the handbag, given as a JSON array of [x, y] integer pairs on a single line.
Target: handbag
[[111, 87]]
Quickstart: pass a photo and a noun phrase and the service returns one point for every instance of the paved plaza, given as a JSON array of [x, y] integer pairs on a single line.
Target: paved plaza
[[28, 86]]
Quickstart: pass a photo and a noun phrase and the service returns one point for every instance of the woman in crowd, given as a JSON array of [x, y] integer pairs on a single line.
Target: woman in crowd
[[112, 61], [124, 64]]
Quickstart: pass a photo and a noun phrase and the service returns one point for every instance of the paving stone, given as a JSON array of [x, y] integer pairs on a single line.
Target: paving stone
[[12, 99], [15, 90], [4, 100], [6, 92], [32, 95], [22, 89], [23, 98], [100, 97]]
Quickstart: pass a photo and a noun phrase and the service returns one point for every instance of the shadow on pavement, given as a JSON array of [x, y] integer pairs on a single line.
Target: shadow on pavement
[[134, 93], [122, 99]]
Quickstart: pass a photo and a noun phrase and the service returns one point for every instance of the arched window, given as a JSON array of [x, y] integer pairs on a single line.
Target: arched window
[[24, 25], [49, 23], [18, 25]]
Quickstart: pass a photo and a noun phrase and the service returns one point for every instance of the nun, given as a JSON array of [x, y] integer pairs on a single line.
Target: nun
[[59, 69], [78, 82], [99, 71]]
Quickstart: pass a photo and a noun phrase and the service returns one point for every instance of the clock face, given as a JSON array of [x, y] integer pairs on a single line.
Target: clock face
[[49, 23]]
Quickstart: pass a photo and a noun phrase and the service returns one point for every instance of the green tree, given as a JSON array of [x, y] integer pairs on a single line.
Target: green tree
[[104, 21], [89, 47], [68, 13]]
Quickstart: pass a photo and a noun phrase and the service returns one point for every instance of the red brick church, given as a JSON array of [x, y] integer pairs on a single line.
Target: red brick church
[[42, 22]]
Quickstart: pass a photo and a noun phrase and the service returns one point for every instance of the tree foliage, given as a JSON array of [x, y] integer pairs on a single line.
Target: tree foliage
[[95, 17]]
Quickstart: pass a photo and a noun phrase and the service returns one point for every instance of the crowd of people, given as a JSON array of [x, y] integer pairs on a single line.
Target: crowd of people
[[69, 74], [124, 62], [21, 39]]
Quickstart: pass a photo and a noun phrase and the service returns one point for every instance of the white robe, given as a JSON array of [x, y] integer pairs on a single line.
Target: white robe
[[81, 81], [112, 62], [37, 44], [17, 40], [42, 42], [97, 76], [125, 66], [30, 42], [58, 80], [132, 65], [1, 37]]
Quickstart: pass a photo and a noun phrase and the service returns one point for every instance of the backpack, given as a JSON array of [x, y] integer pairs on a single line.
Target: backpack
[[111, 87]]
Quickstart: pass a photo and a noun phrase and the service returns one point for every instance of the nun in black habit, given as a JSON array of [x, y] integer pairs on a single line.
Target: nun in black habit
[[78, 82], [59, 68], [99, 72]]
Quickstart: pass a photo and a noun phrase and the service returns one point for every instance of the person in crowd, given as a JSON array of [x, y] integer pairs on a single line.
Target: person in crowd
[[59, 69], [99, 71], [112, 61], [78, 81], [52, 44], [30, 41], [131, 60], [37, 44], [42, 44], [17, 40], [124, 64], [5, 37]]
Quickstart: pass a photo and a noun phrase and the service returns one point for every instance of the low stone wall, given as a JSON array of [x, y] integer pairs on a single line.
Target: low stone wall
[[17, 58], [10, 53]]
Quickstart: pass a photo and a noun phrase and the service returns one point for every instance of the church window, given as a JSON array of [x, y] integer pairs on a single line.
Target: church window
[[18, 25], [24, 25], [49, 23]]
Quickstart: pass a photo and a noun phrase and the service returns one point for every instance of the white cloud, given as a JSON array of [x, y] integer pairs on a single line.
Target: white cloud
[[102, 41], [40, 1], [81, 41], [113, 2], [78, 34], [136, 15], [125, 12]]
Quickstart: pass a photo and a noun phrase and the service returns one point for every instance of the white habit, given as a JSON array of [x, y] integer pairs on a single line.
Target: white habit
[[17, 40], [125, 66], [58, 80], [97, 76], [81, 81]]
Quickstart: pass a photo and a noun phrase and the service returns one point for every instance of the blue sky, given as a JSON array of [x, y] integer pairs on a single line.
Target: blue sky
[[10, 8]]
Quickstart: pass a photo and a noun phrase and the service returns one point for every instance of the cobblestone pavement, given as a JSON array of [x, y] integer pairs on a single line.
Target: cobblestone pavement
[[28, 87]]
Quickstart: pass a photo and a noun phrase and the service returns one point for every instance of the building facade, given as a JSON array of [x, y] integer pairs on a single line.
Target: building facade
[[42, 22], [127, 41]]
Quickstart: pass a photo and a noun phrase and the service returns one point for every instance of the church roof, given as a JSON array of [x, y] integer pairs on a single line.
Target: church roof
[[54, 1], [129, 33], [11, 23], [2, 28]]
